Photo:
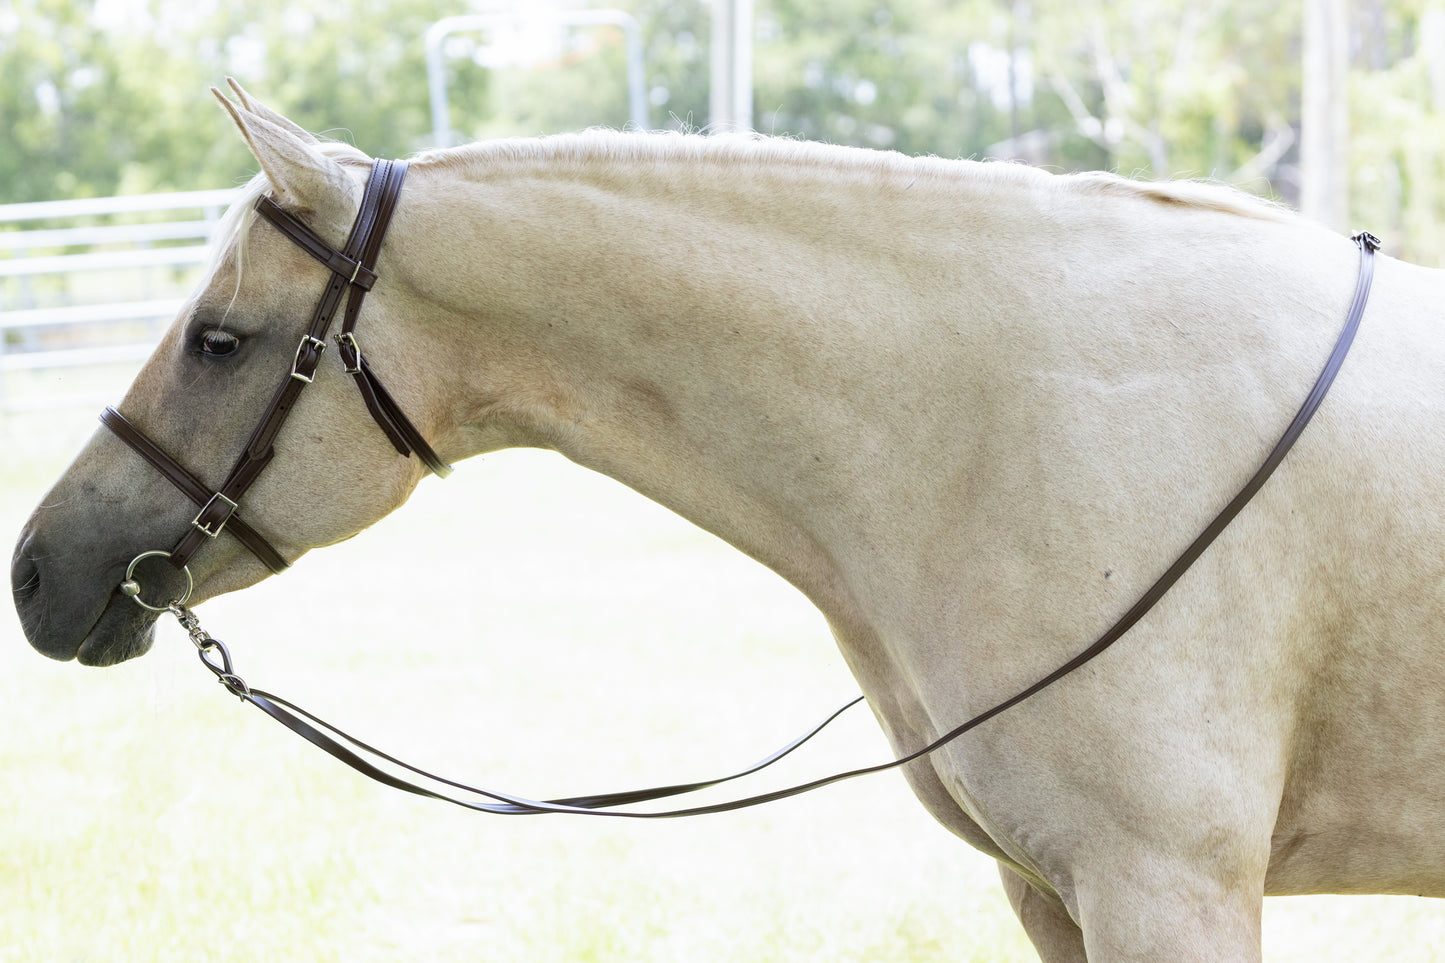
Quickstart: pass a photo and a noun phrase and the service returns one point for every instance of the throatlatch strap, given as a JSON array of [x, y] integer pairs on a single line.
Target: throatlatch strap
[[398, 428]]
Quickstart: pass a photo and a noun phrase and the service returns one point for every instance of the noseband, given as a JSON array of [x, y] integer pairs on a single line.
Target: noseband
[[353, 274]]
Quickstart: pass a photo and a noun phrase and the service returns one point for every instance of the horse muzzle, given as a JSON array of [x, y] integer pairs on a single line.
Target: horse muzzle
[[78, 615]]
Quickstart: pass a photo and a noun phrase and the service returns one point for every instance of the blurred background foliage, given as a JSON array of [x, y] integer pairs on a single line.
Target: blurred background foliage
[[102, 97]]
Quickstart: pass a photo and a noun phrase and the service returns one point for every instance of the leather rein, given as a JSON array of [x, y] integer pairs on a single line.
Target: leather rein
[[353, 274]]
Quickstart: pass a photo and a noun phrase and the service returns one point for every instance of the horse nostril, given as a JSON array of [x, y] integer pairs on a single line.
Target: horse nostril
[[25, 587], [24, 574], [37, 612]]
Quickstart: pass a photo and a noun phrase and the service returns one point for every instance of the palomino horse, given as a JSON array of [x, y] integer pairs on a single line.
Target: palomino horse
[[971, 410]]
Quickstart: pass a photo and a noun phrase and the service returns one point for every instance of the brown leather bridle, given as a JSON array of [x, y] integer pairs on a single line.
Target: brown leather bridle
[[353, 268], [353, 273]]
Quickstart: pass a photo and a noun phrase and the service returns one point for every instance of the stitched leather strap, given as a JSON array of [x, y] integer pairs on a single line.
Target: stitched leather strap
[[387, 414], [345, 265], [302, 237], [192, 487], [352, 269], [384, 410], [369, 761], [374, 763]]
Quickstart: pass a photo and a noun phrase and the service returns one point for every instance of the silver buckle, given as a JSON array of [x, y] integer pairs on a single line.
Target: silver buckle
[[207, 530], [348, 340], [319, 345], [1368, 239]]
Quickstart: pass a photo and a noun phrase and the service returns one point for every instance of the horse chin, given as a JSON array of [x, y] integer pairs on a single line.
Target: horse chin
[[123, 631]]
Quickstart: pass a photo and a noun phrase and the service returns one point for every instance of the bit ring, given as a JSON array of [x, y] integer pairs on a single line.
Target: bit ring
[[131, 588]]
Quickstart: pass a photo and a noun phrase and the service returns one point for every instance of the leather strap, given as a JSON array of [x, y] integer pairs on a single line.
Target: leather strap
[[370, 761], [303, 238], [383, 189], [387, 414], [352, 269], [373, 763], [384, 409], [191, 486]]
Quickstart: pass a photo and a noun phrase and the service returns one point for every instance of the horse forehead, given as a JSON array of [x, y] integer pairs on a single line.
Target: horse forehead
[[262, 264]]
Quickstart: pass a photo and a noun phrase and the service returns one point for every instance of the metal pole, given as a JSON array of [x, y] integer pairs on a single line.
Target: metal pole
[[436, 76], [1325, 118], [731, 98]]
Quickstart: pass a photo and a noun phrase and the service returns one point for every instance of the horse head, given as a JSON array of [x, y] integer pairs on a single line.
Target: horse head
[[199, 397]]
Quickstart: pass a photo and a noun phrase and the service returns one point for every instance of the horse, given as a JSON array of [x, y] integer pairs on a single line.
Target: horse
[[971, 410]]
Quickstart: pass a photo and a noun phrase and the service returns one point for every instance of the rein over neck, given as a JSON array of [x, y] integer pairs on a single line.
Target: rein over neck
[[391, 771], [353, 274]]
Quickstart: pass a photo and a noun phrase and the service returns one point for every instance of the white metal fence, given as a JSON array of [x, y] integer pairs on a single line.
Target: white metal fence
[[87, 286]]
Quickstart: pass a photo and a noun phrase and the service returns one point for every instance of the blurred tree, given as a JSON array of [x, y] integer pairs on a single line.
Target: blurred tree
[[103, 96], [1178, 88], [576, 77], [1397, 135], [909, 75], [70, 112]]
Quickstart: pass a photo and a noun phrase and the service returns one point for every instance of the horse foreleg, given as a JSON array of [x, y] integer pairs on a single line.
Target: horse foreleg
[[1135, 916], [1136, 927], [1055, 936]]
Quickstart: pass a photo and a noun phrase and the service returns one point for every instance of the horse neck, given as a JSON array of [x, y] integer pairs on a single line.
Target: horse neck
[[725, 333], [717, 336]]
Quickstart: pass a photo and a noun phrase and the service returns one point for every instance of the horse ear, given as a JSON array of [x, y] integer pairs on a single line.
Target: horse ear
[[261, 110], [303, 180]]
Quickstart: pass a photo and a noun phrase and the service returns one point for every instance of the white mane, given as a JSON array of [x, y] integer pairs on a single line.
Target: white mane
[[619, 148]]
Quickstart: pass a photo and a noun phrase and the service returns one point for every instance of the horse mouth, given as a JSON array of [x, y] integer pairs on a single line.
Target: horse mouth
[[121, 633]]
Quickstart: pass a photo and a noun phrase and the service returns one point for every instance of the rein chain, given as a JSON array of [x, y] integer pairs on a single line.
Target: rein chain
[[352, 269]]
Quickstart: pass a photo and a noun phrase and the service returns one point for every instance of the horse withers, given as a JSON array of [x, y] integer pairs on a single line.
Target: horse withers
[[971, 410]]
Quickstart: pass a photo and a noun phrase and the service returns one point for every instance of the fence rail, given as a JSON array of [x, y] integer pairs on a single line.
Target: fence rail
[[86, 284]]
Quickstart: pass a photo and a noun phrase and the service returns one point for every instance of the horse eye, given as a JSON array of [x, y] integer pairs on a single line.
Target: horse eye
[[217, 344]]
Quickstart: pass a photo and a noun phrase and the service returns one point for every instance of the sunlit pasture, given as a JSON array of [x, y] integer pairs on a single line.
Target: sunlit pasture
[[532, 627]]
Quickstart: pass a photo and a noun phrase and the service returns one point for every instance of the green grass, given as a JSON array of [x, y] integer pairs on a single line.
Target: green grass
[[535, 628]]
